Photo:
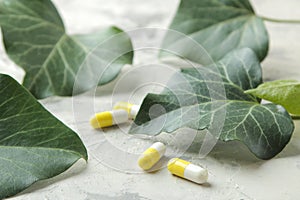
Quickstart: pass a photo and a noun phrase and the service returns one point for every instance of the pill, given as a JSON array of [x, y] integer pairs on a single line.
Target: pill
[[109, 118], [152, 155], [187, 170], [130, 108]]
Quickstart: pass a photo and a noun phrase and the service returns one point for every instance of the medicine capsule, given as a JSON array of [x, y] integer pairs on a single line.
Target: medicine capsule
[[152, 155], [130, 108], [109, 118], [187, 170]]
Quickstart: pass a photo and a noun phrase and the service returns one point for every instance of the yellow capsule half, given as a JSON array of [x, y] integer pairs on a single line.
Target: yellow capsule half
[[152, 155], [109, 118], [187, 170], [131, 109]]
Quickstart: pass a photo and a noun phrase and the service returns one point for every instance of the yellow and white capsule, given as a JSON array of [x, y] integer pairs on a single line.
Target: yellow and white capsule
[[187, 170], [131, 109], [152, 155], [109, 118]]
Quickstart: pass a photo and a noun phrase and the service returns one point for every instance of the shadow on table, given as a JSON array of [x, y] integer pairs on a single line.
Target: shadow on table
[[292, 149], [227, 152], [77, 168]]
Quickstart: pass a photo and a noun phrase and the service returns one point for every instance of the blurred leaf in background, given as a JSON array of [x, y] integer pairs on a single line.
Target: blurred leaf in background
[[35, 39]]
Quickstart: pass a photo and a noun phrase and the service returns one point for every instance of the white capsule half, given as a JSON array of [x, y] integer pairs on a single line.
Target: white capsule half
[[187, 170], [152, 155], [131, 109], [109, 118]]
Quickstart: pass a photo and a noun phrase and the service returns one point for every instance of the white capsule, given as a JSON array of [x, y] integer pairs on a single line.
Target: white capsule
[[109, 118], [130, 108], [187, 170], [152, 155]]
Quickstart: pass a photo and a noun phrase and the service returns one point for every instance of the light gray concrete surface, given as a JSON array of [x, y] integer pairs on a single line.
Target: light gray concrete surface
[[111, 172]]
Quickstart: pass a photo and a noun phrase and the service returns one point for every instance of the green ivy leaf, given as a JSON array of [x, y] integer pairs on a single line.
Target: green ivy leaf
[[34, 145], [218, 26], [35, 39], [199, 97], [282, 92]]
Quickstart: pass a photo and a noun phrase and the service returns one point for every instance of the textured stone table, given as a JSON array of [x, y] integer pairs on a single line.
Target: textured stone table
[[233, 172]]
